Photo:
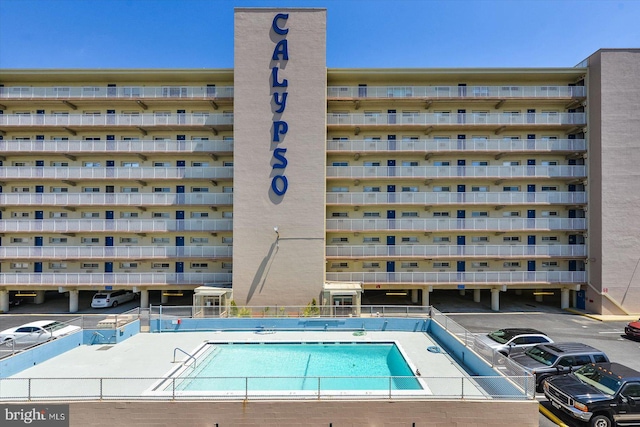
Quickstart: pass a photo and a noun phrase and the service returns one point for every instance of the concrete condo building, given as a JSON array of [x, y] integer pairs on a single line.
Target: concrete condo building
[[283, 181]]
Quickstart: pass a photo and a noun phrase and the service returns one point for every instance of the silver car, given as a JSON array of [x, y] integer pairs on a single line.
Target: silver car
[[506, 341]]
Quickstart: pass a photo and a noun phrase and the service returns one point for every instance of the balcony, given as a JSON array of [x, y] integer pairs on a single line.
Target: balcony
[[460, 224], [491, 172], [114, 252], [115, 199], [113, 173], [144, 121], [447, 198], [467, 278], [151, 225], [492, 121], [456, 251], [455, 92], [122, 92], [444, 146], [27, 280], [12, 147]]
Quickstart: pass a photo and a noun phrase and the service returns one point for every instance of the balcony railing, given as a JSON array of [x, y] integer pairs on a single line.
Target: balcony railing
[[454, 278], [447, 92], [145, 119], [102, 146], [123, 92], [55, 225], [458, 145], [101, 279], [113, 252], [493, 172], [468, 224], [77, 173], [420, 251], [425, 119], [115, 199], [444, 198]]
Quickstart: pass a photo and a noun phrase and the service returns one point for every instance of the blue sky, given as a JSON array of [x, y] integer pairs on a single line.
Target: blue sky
[[360, 33]]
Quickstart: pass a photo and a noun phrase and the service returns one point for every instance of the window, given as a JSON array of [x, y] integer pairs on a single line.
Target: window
[[199, 265], [340, 164], [58, 214], [161, 164], [90, 189], [199, 214], [478, 214], [549, 188], [128, 265], [479, 163], [549, 163], [549, 238], [441, 239], [227, 240], [227, 265], [161, 215], [549, 213], [549, 263], [371, 189], [199, 189], [227, 214], [91, 164], [339, 265], [19, 240], [370, 265], [511, 238], [441, 214], [511, 214], [90, 240], [409, 265], [480, 264], [480, 239], [161, 190], [20, 189], [511, 188], [227, 190], [441, 264], [441, 163], [372, 164], [87, 265], [59, 164], [57, 265], [371, 240], [480, 188], [160, 265], [129, 240], [409, 239], [339, 189], [19, 265], [20, 215], [130, 164], [18, 164], [409, 163], [129, 189], [200, 164], [509, 264], [128, 214], [199, 240], [340, 214], [409, 189], [58, 240], [160, 240], [90, 215], [409, 214], [340, 240], [441, 189], [371, 215], [227, 164]]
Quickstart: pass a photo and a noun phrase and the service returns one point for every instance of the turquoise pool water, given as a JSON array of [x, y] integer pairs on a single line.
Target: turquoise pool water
[[300, 366]]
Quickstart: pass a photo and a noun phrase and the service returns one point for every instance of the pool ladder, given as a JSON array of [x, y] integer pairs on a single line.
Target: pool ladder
[[190, 356]]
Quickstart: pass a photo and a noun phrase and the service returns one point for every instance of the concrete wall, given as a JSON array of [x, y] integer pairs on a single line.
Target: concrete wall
[[434, 413], [289, 269], [38, 354], [614, 181]]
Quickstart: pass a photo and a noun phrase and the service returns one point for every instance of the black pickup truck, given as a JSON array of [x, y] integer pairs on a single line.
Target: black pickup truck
[[601, 394]]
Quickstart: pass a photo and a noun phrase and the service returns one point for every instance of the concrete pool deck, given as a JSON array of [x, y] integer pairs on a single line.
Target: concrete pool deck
[[147, 357]]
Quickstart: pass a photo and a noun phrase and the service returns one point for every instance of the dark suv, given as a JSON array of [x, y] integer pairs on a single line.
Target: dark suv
[[602, 394], [545, 360]]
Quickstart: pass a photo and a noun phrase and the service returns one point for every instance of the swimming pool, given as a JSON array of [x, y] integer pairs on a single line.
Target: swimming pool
[[297, 366]]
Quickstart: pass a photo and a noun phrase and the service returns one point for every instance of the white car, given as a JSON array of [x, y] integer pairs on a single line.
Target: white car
[[507, 340], [37, 332], [112, 298]]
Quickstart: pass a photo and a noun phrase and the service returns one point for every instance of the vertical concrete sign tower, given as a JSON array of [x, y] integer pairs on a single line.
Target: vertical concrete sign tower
[[279, 155]]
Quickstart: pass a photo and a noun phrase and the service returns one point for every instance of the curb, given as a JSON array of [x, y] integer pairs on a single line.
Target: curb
[[547, 413]]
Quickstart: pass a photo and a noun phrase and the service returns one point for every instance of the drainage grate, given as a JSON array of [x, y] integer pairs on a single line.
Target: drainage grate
[[105, 347]]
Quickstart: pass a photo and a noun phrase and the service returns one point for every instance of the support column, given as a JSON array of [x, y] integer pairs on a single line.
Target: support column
[[425, 295], [518, 292], [39, 298], [476, 295], [164, 299], [574, 299], [462, 292], [495, 299], [539, 296], [73, 300], [4, 301], [564, 298], [414, 296], [144, 298]]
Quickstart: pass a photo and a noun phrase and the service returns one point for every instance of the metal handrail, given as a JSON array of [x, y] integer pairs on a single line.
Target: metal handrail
[[189, 356]]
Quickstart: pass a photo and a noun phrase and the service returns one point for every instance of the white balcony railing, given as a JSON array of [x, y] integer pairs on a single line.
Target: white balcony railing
[[453, 278], [77, 173], [510, 91], [103, 146], [144, 119], [115, 199], [444, 198], [124, 92], [101, 279], [113, 252], [55, 225], [421, 251], [458, 145], [562, 171], [458, 119], [468, 224]]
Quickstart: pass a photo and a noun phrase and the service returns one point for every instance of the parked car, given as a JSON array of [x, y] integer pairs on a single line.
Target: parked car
[[601, 394], [632, 330], [112, 298], [507, 340], [545, 360], [37, 332]]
